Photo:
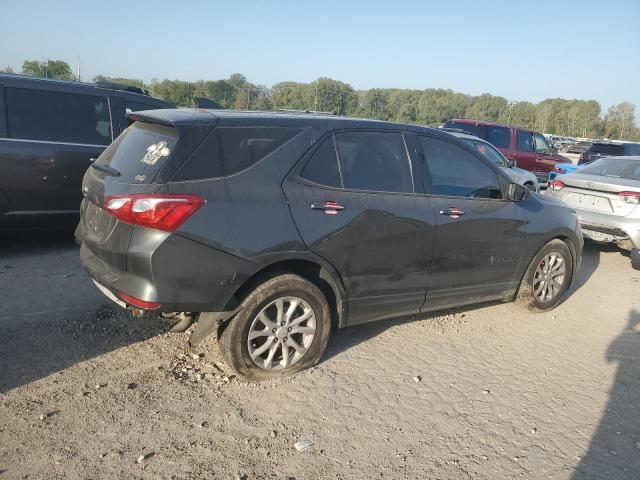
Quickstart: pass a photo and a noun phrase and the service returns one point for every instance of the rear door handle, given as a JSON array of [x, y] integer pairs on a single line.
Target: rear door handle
[[329, 207], [452, 212]]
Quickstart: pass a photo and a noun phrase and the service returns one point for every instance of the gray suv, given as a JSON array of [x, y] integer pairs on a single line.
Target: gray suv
[[276, 229]]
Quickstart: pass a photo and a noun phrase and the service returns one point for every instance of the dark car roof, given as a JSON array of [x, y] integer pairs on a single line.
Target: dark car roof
[[202, 117], [484, 122], [26, 81]]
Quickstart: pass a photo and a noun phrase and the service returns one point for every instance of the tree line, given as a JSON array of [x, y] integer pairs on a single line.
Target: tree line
[[432, 106]]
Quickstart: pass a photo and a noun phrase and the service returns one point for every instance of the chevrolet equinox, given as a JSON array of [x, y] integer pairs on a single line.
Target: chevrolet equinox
[[275, 228]]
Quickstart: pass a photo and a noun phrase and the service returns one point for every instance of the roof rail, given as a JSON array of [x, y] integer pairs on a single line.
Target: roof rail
[[310, 112]]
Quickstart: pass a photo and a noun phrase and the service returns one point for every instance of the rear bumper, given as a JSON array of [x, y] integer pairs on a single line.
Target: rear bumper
[[602, 227], [180, 274]]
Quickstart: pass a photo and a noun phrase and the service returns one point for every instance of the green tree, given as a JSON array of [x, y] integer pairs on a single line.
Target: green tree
[[220, 91], [487, 107], [620, 120], [134, 82], [48, 69]]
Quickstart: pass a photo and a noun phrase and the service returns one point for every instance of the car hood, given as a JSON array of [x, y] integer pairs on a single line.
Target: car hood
[[521, 176]]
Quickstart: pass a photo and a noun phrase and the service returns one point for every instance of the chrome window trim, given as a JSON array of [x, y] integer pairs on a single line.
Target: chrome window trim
[[51, 142]]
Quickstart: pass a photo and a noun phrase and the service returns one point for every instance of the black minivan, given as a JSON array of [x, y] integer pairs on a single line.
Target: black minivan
[[276, 228], [50, 132]]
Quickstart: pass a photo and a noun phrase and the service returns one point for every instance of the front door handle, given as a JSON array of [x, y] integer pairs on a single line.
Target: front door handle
[[329, 207], [452, 212]]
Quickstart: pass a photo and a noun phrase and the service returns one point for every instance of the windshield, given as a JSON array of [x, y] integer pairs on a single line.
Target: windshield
[[488, 151], [614, 167]]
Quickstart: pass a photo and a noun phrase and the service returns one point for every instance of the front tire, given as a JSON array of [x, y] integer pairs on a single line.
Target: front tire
[[547, 278], [282, 328]]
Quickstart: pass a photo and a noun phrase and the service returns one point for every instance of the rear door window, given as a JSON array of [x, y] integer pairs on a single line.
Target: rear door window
[[524, 141], [57, 116], [322, 167], [139, 152], [374, 161], [454, 172], [498, 136], [229, 150]]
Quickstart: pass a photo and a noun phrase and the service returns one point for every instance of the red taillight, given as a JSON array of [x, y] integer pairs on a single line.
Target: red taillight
[[558, 170], [161, 212], [136, 302], [630, 197], [557, 185]]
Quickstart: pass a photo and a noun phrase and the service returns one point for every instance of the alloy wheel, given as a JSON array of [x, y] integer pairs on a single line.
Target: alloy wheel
[[281, 334], [548, 278]]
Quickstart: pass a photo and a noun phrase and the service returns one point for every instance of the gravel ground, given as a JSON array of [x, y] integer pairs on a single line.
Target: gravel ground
[[485, 393]]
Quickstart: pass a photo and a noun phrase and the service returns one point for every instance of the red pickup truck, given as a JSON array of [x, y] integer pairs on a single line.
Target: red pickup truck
[[529, 149]]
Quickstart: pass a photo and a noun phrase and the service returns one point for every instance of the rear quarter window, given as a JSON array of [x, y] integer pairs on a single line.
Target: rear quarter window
[[229, 150], [498, 136]]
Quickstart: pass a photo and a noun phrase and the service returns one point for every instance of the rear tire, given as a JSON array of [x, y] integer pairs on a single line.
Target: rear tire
[[547, 278], [284, 314]]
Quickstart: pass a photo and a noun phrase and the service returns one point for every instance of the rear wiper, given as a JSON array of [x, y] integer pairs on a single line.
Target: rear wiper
[[106, 169]]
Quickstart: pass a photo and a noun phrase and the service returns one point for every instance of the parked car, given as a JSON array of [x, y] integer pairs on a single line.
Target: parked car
[[578, 147], [271, 225], [50, 132], [608, 149], [517, 175], [530, 150], [606, 197], [561, 169]]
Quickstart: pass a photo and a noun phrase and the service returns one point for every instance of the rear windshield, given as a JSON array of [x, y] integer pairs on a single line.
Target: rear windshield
[[229, 150], [605, 149], [139, 152], [614, 167]]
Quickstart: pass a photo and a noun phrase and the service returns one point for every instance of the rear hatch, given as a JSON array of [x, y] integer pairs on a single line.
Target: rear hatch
[[141, 160]]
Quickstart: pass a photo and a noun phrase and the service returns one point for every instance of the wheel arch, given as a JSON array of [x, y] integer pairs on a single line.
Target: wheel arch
[[314, 270]]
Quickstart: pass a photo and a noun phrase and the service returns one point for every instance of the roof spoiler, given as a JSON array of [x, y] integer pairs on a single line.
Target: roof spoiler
[[176, 117]]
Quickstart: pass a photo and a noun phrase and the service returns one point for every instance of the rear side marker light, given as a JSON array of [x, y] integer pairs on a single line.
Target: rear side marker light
[[160, 212], [630, 197], [136, 302], [557, 185]]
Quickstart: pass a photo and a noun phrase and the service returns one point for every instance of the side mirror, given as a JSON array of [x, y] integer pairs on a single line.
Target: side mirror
[[517, 192], [512, 163]]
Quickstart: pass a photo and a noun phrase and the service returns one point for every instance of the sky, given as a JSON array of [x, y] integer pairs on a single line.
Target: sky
[[520, 50]]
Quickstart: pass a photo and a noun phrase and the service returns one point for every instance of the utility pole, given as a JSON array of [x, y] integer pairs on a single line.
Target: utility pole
[[188, 86], [316, 96], [78, 76]]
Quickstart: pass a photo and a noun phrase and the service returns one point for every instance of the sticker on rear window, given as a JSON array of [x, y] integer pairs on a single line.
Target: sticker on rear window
[[155, 152]]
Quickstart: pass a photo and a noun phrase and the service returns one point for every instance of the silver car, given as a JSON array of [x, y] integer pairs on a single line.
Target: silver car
[[518, 175], [606, 196]]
